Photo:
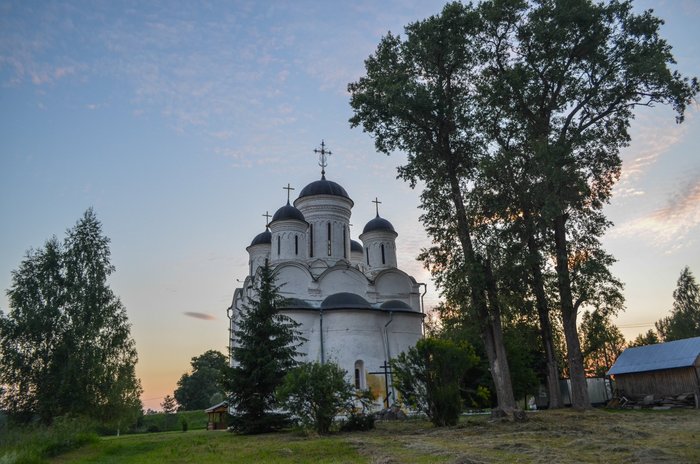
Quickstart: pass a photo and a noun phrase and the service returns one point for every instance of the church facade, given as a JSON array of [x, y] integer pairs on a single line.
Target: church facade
[[354, 305]]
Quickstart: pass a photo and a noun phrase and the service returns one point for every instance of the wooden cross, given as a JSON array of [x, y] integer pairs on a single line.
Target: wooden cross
[[323, 158], [376, 204], [267, 218], [386, 370], [289, 189]]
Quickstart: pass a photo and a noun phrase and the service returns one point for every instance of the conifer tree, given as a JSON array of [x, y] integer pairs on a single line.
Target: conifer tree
[[684, 321], [265, 349]]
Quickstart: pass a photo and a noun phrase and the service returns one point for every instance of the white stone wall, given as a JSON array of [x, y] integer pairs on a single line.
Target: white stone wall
[[374, 242], [289, 241], [320, 211]]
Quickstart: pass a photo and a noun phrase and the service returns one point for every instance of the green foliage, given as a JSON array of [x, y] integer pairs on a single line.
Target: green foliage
[[195, 390], [428, 376], [265, 348], [513, 115], [65, 345], [35, 443], [160, 422], [602, 342], [169, 405], [315, 394], [684, 321], [648, 338]]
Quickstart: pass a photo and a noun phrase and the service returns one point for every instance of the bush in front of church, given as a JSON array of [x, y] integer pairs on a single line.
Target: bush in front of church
[[429, 375], [315, 394]]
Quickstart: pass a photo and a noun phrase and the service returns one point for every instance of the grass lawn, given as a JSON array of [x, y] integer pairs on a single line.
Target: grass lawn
[[563, 436]]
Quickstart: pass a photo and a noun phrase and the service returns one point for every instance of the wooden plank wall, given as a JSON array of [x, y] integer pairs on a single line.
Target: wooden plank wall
[[669, 382]]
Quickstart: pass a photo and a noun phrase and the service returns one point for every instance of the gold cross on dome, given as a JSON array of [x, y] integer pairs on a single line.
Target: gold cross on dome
[[376, 204], [289, 189], [323, 158]]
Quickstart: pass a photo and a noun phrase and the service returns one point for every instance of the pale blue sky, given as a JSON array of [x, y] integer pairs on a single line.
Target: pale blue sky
[[180, 122]]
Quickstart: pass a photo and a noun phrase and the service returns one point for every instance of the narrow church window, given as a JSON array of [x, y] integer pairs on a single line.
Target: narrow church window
[[266, 261], [278, 245], [311, 240], [296, 244], [383, 260], [367, 254], [360, 374], [329, 239], [345, 245]]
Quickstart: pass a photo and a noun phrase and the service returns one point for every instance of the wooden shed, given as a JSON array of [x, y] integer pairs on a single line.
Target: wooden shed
[[218, 416], [663, 370]]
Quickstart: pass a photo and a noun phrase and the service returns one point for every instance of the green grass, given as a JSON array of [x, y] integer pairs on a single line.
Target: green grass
[[563, 436], [196, 420], [33, 444]]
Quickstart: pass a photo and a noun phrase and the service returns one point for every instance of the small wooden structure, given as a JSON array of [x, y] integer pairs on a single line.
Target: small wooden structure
[[662, 370], [217, 415]]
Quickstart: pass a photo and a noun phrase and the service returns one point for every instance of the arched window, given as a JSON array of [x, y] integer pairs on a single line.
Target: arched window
[[296, 244], [345, 245], [367, 254], [360, 381], [383, 260], [279, 246]]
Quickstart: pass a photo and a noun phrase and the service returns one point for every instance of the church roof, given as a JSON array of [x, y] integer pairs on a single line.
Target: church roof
[[287, 212], [395, 304], [262, 238], [345, 300], [324, 187], [378, 223], [355, 246]]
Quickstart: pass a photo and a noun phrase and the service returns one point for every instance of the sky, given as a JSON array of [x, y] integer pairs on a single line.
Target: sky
[[180, 122]]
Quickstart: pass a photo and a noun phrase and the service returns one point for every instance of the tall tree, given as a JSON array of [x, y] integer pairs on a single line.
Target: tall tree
[[684, 321], [265, 350], [602, 342], [66, 346], [564, 77], [648, 338], [417, 97], [195, 390]]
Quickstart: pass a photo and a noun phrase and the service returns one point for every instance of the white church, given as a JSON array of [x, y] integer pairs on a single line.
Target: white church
[[354, 305]]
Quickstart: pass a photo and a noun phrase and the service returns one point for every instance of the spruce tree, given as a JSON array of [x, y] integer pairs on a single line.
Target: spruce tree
[[684, 321], [265, 349]]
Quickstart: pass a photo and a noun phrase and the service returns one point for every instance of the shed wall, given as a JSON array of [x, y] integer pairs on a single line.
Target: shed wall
[[667, 382]]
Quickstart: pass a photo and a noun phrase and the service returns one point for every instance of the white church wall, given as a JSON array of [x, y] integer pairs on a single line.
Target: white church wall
[[394, 284], [294, 280], [336, 280]]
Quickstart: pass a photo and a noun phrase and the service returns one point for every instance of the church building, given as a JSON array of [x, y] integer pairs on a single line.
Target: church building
[[354, 305]]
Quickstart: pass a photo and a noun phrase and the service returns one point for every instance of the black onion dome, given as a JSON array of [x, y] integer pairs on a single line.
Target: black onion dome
[[395, 304], [324, 187], [378, 223], [262, 238], [287, 212], [345, 300], [356, 246]]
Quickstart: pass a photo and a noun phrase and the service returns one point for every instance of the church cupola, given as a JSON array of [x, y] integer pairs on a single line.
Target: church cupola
[[288, 228], [379, 239], [326, 207], [357, 253], [259, 250]]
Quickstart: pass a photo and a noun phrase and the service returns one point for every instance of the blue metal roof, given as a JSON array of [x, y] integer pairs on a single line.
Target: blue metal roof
[[670, 355]]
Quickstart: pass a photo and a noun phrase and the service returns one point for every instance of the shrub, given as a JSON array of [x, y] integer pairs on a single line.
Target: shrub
[[316, 393], [428, 377]]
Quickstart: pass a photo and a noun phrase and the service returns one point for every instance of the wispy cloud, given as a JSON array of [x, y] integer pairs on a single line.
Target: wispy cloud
[[202, 316], [673, 226], [652, 139]]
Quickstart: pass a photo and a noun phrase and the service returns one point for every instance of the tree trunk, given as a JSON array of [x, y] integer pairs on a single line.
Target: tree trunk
[[491, 331], [537, 283], [579, 387]]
